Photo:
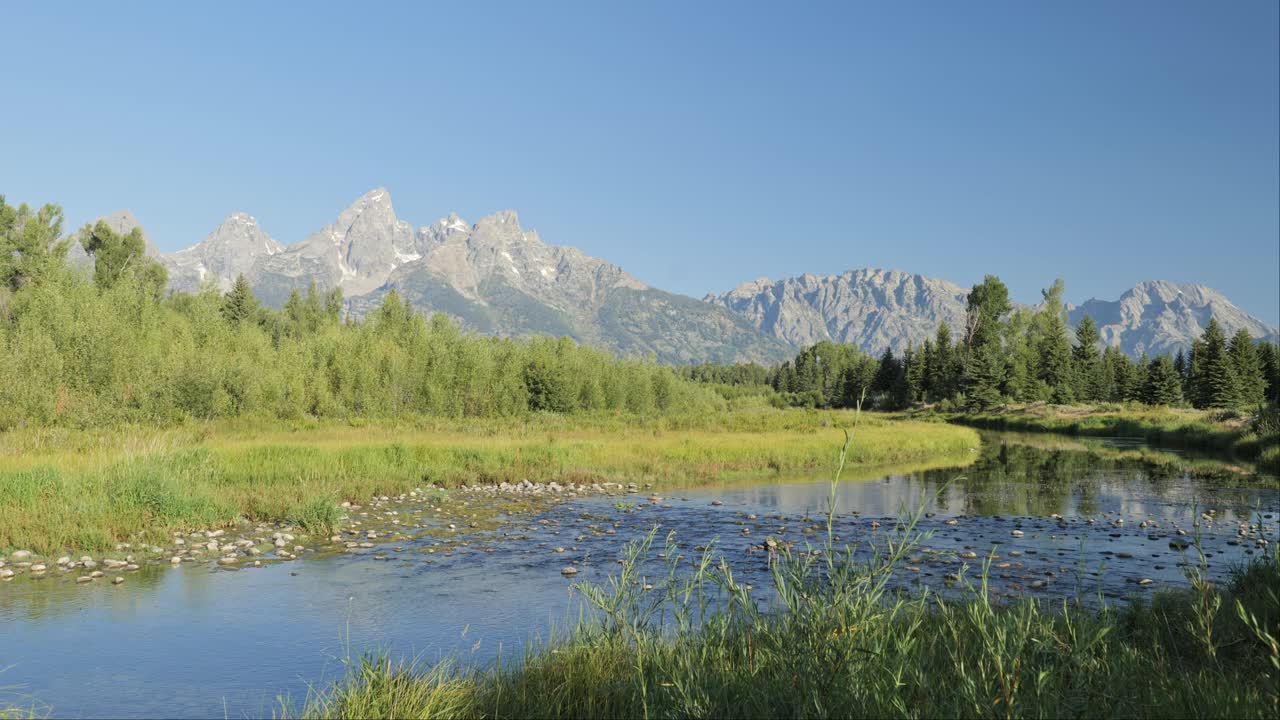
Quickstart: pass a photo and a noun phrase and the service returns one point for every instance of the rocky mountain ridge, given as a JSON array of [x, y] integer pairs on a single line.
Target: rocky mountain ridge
[[495, 276]]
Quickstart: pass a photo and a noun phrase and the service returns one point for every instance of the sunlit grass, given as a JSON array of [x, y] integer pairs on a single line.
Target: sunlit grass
[[87, 490]]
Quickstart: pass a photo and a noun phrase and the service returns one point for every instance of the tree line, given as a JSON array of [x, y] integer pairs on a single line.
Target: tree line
[[1018, 355], [112, 345]]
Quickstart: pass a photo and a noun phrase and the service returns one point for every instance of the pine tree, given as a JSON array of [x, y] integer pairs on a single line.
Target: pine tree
[[1251, 379], [1054, 366], [240, 305], [944, 374], [1216, 384], [1085, 361], [1269, 359], [886, 377], [1126, 385], [914, 375], [984, 375], [1163, 385]]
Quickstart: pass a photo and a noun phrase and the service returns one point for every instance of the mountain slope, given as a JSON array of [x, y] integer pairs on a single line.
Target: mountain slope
[[498, 278], [1159, 317], [870, 308], [357, 252], [233, 248]]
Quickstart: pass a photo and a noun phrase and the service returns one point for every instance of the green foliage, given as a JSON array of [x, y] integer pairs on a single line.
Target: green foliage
[[30, 245], [1087, 363], [116, 257], [1055, 367], [1247, 366], [988, 302], [80, 353], [240, 305], [984, 375], [1163, 385], [1214, 379]]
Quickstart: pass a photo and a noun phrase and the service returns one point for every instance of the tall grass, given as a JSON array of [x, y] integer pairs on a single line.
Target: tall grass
[[833, 640], [88, 491]]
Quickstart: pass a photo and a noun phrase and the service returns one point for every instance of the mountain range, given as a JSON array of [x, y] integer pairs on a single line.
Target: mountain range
[[494, 276]]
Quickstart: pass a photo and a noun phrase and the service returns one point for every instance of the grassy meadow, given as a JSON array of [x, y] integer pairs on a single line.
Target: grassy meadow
[[67, 490]]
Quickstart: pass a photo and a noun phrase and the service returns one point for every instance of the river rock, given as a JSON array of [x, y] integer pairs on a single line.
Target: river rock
[[21, 555], [568, 571]]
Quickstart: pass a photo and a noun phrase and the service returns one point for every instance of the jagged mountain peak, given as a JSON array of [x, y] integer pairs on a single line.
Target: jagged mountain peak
[[1160, 317], [872, 308], [233, 248]]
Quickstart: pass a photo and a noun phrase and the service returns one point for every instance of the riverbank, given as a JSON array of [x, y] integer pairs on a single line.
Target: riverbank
[[65, 491], [1225, 433], [839, 645]]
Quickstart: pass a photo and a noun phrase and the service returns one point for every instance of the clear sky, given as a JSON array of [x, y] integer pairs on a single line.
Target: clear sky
[[698, 144]]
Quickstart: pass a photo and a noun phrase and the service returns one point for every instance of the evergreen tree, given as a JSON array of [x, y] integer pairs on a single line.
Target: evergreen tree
[[1216, 385], [984, 375], [886, 378], [1163, 385], [1127, 385], [1251, 379], [240, 305], [944, 374], [1085, 361], [1190, 382], [1269, 359], [1054, 366], [915, 374]]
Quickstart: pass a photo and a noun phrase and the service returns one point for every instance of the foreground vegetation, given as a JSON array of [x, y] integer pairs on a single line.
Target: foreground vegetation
[[838, 643], [87, 490]]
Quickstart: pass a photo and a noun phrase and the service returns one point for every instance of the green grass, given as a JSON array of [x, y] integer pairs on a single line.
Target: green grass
[[87, 490], [1224, 433], [842, 645]]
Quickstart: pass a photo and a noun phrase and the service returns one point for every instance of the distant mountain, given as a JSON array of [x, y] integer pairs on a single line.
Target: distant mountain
[[233, 248], [873, 309], [493, 277], [497, 277], [1160, 317]]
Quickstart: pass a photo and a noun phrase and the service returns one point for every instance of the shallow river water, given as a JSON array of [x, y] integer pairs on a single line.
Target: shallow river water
[[201, 641]]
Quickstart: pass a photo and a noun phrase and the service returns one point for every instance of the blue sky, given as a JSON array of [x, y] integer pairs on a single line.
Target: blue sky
[[698, 145]]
